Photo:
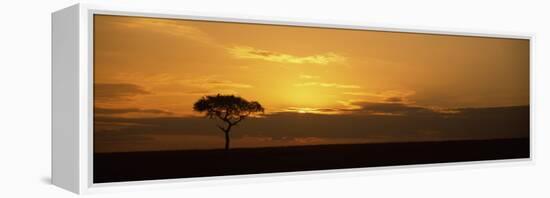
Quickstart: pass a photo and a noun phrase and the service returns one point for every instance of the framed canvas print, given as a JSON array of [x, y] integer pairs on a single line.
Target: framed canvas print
[[157, 96]]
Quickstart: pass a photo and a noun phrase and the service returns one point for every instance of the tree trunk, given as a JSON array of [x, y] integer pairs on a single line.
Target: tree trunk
[[226, 131], [227, 140]]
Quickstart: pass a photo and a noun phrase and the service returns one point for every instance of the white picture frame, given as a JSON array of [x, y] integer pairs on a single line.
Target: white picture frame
[[72, 95]]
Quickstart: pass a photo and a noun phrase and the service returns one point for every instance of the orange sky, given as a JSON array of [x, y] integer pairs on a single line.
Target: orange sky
[[147, 67]]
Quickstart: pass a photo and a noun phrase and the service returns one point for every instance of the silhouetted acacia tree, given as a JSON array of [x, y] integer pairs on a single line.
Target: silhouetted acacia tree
[[228, 108]]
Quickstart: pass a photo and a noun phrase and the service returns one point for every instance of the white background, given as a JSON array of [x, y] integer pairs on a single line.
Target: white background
[[25, 71]]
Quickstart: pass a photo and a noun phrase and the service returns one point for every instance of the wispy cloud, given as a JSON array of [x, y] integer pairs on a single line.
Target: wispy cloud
[[395, 106], [116, 111], [169, 84], [385, 94], [329, 85], [168, 27], [246, 52], [226, 83], [303, 76], [213, 82], [360, 94], [117, 91], [392, 96]]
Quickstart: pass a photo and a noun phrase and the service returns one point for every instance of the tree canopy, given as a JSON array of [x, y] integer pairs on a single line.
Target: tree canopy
[[228, 108]]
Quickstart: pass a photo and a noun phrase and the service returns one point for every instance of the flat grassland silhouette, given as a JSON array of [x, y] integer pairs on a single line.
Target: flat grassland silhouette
[[135, 166]]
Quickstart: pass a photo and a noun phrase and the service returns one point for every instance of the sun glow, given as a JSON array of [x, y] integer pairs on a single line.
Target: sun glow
[[316, 97], [312, 82]]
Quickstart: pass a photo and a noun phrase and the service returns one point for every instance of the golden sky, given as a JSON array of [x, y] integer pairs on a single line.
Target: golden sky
[[148, 67]]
